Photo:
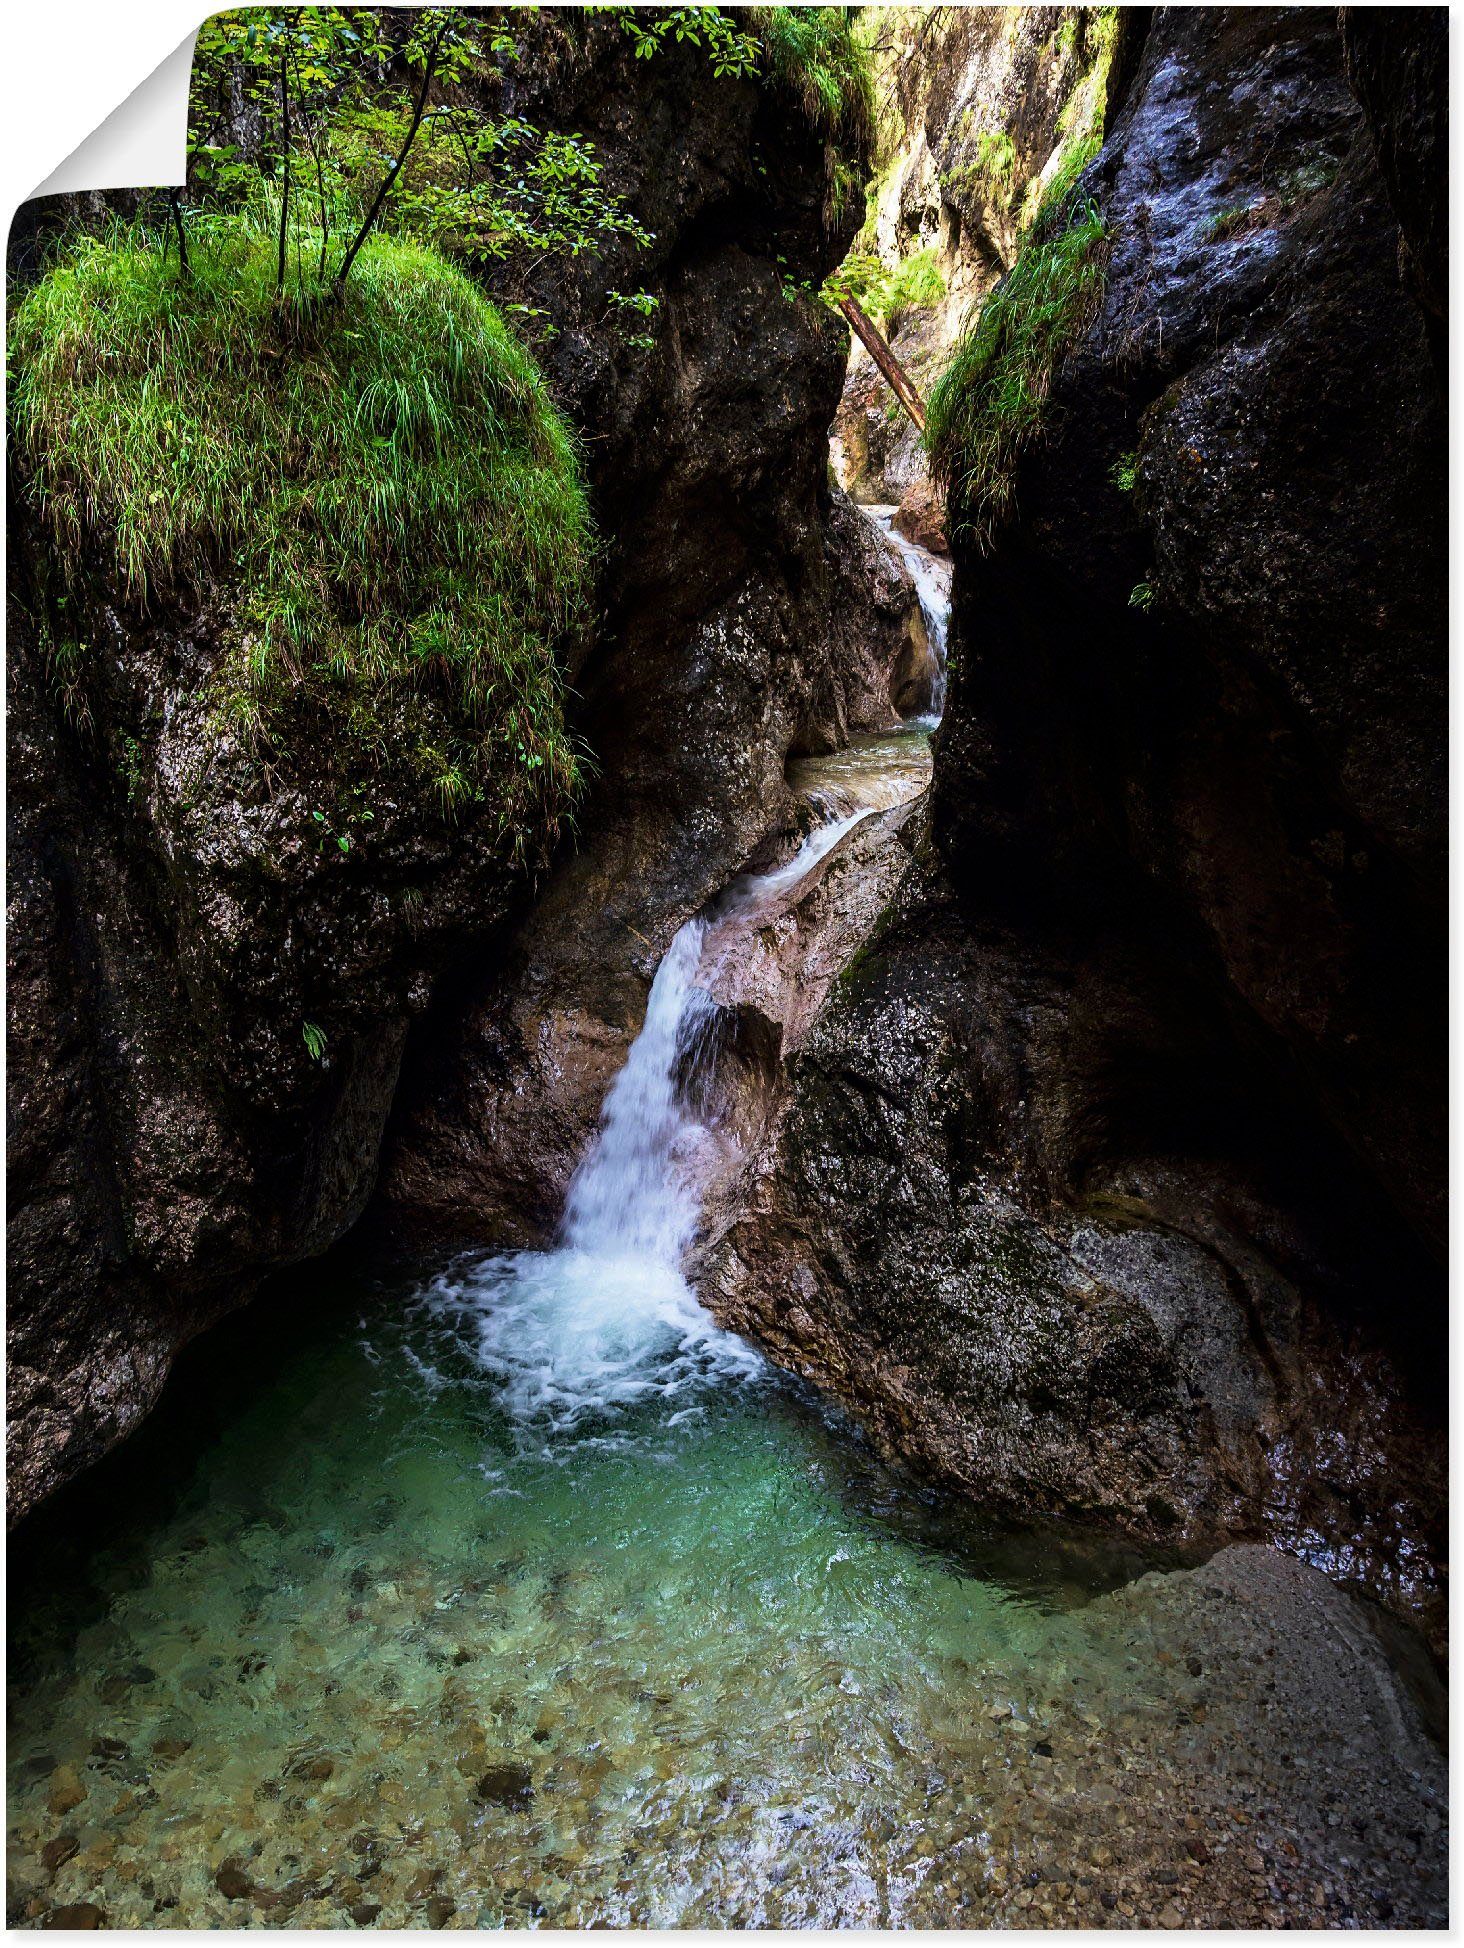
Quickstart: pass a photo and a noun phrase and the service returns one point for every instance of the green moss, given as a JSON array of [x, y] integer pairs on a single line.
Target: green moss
[[996, 159], [375, 494], [913, 283], [990, 402], [1309, 178]]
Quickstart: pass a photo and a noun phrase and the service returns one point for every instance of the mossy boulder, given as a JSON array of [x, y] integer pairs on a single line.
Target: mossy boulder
[[293, 584]]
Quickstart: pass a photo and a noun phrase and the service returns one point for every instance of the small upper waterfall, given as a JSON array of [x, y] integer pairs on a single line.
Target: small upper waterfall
[[931, 575]]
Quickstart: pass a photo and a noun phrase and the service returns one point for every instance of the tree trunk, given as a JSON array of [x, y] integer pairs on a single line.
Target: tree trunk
[[285, 138], [873, 342], [184, 267]]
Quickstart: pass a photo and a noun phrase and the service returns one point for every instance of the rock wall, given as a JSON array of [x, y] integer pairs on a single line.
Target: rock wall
[[1112, 1181], [172, 1139]]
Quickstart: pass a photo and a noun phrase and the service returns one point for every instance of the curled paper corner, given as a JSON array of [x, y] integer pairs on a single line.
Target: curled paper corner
[[143, 143]]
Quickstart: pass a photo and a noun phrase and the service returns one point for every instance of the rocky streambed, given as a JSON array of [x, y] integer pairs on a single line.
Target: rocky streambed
[[373, 1657]]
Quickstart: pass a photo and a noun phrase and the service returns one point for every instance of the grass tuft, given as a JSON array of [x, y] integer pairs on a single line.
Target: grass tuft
[[817, 53], [990, 402], [375, 495]]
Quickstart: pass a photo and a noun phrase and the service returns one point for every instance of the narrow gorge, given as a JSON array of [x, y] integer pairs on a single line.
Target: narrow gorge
[[727, 1127]]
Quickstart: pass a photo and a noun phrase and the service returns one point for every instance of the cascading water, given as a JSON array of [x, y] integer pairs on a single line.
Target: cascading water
[[608, 1318], [932, 578]]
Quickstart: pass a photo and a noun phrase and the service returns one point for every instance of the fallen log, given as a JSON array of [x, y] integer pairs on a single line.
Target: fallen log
[[873, 341]]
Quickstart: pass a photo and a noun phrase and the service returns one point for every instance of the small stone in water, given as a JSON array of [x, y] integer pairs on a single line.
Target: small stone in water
[[55, 1853], [170, 1748], [507, 1785], [365, 1912], [66, 1790], [83, 1914], [440, 1910], [232, 1882]]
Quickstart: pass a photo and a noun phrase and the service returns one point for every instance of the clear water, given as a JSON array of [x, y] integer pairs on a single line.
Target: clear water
[[712, 1660], [528, 1593]]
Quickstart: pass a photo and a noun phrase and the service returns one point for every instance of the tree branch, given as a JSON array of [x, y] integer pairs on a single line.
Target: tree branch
[[396, 168]]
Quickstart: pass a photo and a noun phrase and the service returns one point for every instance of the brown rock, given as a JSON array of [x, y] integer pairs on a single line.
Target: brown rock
[[507, 1785], [67, 1791], [921, 518], [233, 1883], [56, 1852]]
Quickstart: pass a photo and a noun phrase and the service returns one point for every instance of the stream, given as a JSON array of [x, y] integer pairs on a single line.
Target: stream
[[523, 1593]]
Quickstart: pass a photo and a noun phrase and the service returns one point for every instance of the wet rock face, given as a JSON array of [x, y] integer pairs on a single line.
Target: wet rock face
[[172, 1136], [1113, 1178], [1259, 731], [174, 925], [1021, 1218], [1397, 63]]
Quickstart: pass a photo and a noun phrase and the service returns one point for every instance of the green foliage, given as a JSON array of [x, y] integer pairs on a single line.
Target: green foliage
[[887, 293], [628, 307], [341, 99], [915, 284], [816, 53], [996, 159], [1308, 178], [313, 1036], [371, 495], [1141, 596], [1124, 472], [990, 402], [730, 51]]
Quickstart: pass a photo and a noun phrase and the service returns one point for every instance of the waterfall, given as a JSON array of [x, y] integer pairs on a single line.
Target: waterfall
[[607, 1318], [629, 1198], [932, 578]]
